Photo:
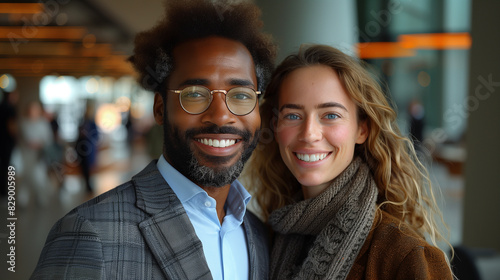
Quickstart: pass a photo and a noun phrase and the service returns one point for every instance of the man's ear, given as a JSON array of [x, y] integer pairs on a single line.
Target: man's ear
[[158, 109]]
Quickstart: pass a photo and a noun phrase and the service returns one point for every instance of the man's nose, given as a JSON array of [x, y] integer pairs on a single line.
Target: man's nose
[[218, 113]]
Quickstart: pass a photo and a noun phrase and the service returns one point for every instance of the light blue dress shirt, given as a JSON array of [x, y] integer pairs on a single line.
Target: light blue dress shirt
[[225, 245]]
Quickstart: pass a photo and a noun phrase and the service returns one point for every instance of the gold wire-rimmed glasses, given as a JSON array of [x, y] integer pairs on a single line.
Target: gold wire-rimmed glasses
[[196, 99]]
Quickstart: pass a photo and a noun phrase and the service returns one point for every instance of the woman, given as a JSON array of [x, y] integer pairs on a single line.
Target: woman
[[341, 187]]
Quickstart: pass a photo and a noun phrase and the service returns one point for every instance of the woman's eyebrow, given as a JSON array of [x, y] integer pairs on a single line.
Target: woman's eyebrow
[[331, 104], [291, 106], [319, 106]]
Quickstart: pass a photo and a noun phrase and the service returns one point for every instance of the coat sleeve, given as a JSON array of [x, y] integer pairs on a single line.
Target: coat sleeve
[[424, 262], [72, 250]]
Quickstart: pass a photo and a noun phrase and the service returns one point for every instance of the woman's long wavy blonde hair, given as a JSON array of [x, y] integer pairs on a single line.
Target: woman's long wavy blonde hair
[[405, 190]]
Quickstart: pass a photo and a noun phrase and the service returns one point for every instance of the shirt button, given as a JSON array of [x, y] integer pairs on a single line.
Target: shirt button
[[208, 203]]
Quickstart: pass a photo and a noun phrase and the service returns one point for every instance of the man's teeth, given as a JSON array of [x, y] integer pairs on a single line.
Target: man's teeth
[[218, 143], [311, 157]]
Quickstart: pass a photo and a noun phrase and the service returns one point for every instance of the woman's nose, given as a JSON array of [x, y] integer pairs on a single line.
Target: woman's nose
[[312, 131]]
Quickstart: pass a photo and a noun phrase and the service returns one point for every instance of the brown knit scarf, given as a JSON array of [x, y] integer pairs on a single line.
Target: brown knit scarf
[[319, 238]]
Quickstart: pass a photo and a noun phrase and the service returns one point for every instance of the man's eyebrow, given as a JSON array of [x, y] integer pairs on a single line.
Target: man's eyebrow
[[241, 82], [331, 104], [194, 82], [291, 106], [206, 82]]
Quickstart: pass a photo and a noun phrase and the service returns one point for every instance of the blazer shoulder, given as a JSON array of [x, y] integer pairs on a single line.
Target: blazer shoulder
[[123, 194], [81, 218], [126, 193], [73, 250], [118, 205]]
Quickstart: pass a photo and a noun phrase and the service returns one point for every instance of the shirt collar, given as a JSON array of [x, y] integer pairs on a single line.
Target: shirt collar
[[185, 189], [237, 200]]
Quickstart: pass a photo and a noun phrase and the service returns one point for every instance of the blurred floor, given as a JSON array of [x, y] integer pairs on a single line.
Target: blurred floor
[[118, 163]]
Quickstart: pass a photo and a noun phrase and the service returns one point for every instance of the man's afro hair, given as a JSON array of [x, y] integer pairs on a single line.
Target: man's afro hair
[[191, 19]]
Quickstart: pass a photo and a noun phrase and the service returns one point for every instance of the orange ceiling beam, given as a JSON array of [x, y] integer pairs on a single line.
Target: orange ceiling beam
[[70, 72], [382, 50], [37, 49], [22, 34], [21, 8], [407, 45], [436, 41], [111, 64], [43, 49]]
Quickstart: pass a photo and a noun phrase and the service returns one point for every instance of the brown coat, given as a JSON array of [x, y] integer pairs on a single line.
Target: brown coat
[[393, 253]]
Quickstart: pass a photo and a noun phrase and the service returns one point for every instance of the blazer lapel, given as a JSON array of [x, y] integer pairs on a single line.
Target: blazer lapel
[[258, 246], [168, 231]]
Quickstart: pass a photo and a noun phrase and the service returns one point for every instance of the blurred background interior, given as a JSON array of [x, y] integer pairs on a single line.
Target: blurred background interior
[[75, 123]]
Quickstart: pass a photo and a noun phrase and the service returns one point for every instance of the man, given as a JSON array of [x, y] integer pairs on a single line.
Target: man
[[184, 216]]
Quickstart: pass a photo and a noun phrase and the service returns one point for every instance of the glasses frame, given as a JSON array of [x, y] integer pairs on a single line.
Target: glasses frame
[[178, 91]]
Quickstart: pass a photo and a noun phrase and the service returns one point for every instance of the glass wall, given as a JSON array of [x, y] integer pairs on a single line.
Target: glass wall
[[424, 62]]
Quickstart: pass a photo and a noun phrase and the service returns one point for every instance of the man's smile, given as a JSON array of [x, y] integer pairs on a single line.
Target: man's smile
[[218, 144]]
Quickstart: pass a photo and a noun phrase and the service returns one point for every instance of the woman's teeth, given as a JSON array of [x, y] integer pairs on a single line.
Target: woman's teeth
[[217, 143], [311, 157]]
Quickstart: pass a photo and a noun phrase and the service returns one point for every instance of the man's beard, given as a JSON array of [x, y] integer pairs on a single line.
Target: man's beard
[[182, 158]]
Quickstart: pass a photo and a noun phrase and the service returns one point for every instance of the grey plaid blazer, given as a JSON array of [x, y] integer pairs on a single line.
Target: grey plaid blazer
[[138, 230]]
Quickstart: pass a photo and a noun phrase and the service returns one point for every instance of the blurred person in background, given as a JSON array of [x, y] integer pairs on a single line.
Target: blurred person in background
[[55, 152], [35, 138], [417, 113], [8, 132], [129, 126], [184, 216], [86, 145]]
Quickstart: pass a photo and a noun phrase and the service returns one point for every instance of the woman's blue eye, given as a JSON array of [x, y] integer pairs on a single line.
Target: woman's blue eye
[[292, 117], [331, 116]]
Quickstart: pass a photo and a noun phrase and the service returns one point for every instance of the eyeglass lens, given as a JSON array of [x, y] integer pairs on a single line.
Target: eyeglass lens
[[196, 99]]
